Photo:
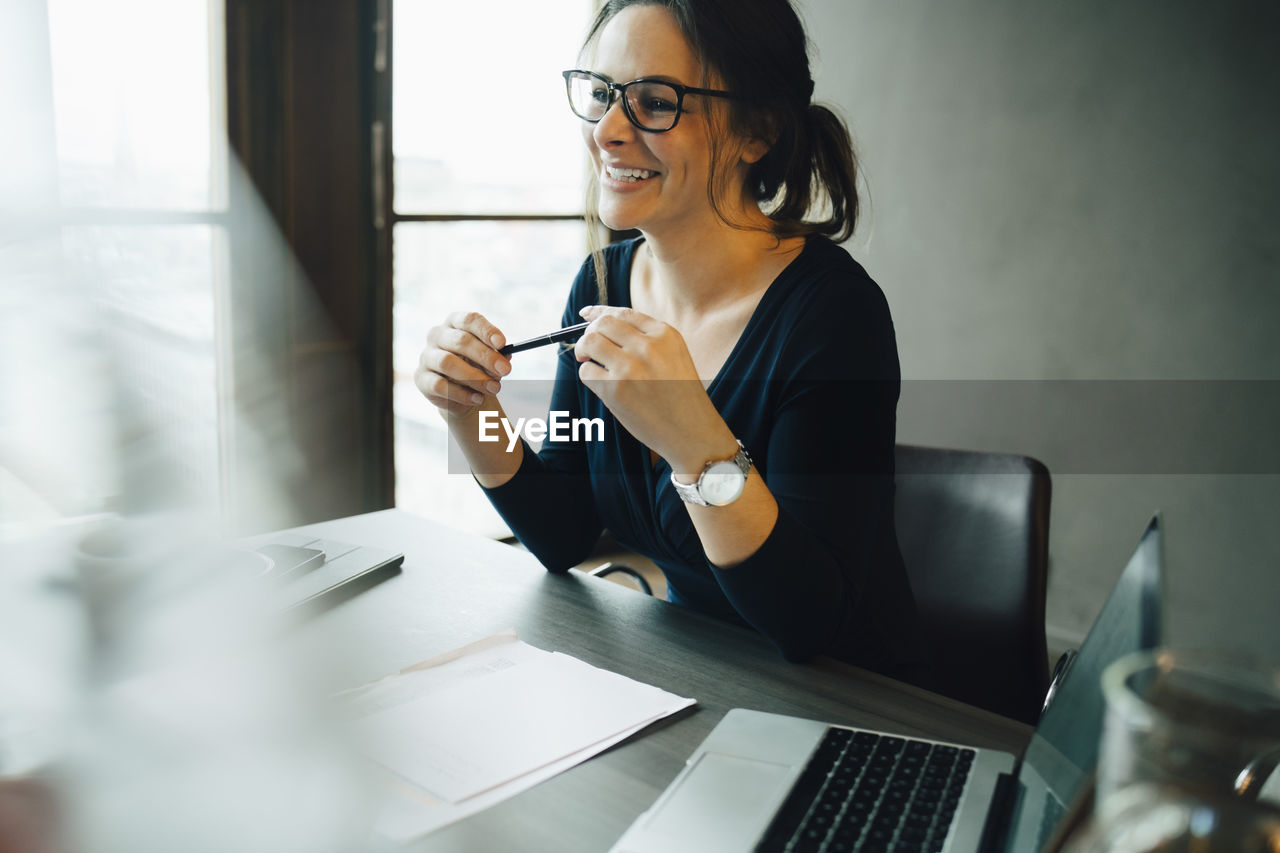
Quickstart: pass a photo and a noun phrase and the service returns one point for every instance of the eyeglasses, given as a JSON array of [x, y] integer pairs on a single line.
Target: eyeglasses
[[652, 105]]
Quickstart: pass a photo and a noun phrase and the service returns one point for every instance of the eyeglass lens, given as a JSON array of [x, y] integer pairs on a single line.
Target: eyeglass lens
[[648, 104]]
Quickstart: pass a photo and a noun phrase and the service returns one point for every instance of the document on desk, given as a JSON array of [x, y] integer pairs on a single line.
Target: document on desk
[[473, 727]]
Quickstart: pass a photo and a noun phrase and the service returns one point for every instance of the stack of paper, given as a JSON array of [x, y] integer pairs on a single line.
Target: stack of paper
[[485, 722]]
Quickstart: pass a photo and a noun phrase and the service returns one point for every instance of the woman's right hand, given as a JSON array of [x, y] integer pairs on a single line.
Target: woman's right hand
[[461, 365]]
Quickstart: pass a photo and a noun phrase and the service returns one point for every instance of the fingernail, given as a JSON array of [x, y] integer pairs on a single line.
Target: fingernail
[[585, 311], [497, 341], [477, 398], [493, 387], [502, 368]]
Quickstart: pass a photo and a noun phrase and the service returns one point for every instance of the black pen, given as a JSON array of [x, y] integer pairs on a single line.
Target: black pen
[[568, 333]]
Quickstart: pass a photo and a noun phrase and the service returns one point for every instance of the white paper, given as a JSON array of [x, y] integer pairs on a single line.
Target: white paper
[[474, 727]]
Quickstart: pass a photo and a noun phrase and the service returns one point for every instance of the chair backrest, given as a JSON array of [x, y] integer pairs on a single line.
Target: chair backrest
[[974, 532]]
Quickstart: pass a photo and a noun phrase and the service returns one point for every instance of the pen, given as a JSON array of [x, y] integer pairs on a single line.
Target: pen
[[568, 333]]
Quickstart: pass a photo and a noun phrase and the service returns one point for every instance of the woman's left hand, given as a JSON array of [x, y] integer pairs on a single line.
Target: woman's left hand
[[641, 370]]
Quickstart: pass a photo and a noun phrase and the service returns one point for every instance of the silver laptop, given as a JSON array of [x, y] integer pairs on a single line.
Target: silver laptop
[[769, 782]]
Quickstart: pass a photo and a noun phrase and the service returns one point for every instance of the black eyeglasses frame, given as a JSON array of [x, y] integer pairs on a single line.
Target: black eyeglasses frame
[[618, 92]]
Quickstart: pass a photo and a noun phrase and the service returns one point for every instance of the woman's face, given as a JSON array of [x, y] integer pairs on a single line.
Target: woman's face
[[670, 190]]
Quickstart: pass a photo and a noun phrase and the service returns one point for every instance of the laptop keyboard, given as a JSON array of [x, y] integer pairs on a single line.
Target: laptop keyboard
[[866, 792]]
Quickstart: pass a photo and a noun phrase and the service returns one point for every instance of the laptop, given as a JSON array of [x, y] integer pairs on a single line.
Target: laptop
[[770, 782], [309, 572]]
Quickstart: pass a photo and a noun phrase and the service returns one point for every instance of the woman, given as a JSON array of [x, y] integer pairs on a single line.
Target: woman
[[744, 366]]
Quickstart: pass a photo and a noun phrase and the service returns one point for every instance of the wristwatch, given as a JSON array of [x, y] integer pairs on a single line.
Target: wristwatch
[[720, 483]]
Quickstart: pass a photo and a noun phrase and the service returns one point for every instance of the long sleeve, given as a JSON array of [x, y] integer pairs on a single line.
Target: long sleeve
[[829, 577]]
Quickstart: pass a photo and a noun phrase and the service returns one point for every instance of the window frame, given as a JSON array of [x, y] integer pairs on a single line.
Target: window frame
[[384, 184]]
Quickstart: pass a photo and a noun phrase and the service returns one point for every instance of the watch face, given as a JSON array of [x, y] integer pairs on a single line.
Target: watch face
[[722, 483]]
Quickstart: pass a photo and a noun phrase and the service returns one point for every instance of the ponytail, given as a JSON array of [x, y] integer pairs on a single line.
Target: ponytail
[[811, 170], [835, 167]]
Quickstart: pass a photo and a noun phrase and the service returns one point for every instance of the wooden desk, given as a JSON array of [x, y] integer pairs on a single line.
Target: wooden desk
[[455, 588]]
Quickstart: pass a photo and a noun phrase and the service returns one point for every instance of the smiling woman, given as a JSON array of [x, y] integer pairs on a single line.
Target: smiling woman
[[743, 366]]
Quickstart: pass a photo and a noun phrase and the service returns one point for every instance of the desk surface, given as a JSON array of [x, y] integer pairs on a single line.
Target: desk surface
[[455, 588]]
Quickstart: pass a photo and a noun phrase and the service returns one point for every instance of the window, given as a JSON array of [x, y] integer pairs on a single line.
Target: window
[[111, 362], [489, 172]]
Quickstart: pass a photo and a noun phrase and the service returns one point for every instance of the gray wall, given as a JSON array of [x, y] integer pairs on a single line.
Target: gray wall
[[1075, 214]]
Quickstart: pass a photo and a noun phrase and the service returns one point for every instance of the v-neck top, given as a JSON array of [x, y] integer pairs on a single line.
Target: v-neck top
[[811, 390]]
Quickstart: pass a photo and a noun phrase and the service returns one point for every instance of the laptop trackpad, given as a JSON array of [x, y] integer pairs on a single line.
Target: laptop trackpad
[[724, 802]]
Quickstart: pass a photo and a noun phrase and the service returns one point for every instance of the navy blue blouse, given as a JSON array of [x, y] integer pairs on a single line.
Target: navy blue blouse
[[811, 390]]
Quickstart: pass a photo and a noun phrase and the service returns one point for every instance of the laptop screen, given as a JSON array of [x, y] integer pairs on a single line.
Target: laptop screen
[[1064, 748]]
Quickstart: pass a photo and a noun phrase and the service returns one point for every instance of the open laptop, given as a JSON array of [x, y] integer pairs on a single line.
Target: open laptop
[[769, 782]]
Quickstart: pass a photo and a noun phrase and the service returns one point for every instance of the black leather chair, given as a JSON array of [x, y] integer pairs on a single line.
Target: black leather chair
[[974, 532]]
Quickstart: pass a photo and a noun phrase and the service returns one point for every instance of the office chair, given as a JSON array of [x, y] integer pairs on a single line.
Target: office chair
[[974, 532]]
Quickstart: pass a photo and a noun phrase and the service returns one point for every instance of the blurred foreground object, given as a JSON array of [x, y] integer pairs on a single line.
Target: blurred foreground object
[[1152, 819], [1188, 756], [28, 818], [146, 327], [1198, 721]]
